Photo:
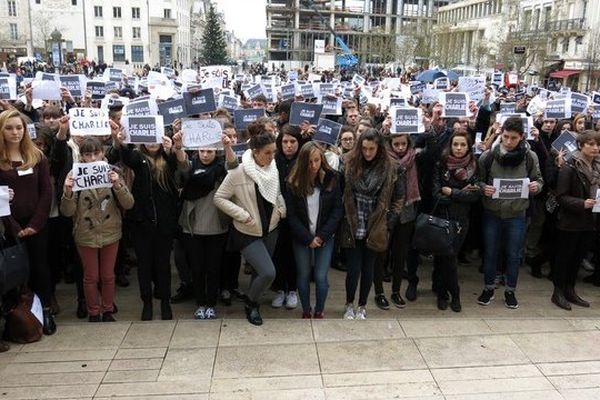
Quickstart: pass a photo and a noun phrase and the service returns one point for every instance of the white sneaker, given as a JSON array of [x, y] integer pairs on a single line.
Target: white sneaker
[[200, 313], [210, 313], [291, 300], [349, 313], [361, 313], [279, 299]]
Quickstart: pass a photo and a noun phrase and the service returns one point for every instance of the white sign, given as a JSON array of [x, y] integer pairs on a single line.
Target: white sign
[[216, 71], [89, 122], [46, 90], [474, 86], [92, 175], [596, 208], [4, 201], [319, 46], [201, 133], [511, 188]]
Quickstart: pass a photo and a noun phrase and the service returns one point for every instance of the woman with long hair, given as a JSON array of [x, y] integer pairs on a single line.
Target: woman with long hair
[[251, 195], [314, 204], [454, 189], [25, 170], [369, 177]]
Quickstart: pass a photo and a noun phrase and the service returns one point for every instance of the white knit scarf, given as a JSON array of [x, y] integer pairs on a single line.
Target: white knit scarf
[[267, 178]]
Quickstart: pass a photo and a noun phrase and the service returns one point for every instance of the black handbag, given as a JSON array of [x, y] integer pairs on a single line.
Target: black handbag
[[14, 265], [434, 235]]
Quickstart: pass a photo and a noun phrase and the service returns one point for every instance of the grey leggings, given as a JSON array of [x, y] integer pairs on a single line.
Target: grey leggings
[[258, 254]]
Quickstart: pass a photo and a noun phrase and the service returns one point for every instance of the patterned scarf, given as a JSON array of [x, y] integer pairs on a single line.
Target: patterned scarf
[[461, 169]]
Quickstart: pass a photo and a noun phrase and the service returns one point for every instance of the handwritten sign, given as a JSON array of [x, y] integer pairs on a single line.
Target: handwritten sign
[[455, 104], [474, 86], [92, 175], [210, 72], [301, 112], [243, 118], [201, 133], [144, 129], [200, 102], [89, 122], [511, 188], [171, 110], [327, 132]]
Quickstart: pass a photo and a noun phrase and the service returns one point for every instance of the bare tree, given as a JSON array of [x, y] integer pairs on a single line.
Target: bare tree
[[43, 26], [593, 54]]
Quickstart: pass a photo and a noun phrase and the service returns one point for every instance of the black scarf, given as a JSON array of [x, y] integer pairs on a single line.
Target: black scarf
[[511, 158], [370, 181], [203, 179]]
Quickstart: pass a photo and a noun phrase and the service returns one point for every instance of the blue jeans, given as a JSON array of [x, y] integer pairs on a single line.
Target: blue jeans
[[500, 233], [305, 258]]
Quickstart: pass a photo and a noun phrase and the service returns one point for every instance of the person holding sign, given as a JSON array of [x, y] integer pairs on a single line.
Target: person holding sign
[[314, 200], [25, 170], [576, 192], [97, 230], [251, 195], [455, 189], [504, 219], [154, 215], [369, 177]]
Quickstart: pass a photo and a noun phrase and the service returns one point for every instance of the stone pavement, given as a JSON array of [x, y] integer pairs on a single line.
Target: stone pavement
[[535, 352]]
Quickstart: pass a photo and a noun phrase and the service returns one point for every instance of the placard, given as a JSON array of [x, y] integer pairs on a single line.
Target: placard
[[430, 96], [8, 88], [93, 175], [307, 91], [97, 88], [144, 129], [358, 80], [292, 76], [113, 74], [188, 75], [301, 112], [325, 89], [46, 90], [254, 91], [398, 102], [200, 102], [508, 108], [288, 92], [567, 142], [498, 79], [558, 109], [141, 108], [406, 120], [230, 103], [477, 144], [332, 105], [596, 98], [243, 118], [89, 122], [474, 86], [4, 201], [441, 84], [171, 110], [201, 134], [32, 131], [74, 83], [455, 104], [216, 71], [417, 87], [596, 208], [511, 188], [239, 149], [579, 103], [327, 132], [168, 72]]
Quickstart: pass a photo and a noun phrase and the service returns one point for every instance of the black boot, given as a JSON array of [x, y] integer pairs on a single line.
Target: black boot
[[49, 324], [411, 291], [184, 292], [81, 309], [558, 298], [573, 297], [455, 303], [442, 302], [166, 314], [252, 313], [147, 311]]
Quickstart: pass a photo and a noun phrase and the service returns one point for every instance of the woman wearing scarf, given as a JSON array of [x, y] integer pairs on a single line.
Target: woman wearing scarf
[[401, 219], [454, 190], [204, 226], [578, 183], [251, 195], [369, 181]]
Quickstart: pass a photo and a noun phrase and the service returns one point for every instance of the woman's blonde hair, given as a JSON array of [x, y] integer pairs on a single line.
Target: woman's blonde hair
[[29, 152]]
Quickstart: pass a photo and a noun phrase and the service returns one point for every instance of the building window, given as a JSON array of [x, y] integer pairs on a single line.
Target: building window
[[100, 53], [12, 8], [73, 2], [38, 1], [14, 33], [99, 31], [565, 45], [135, 12], [118, 32], [97, 11], [116, 12], [118, 52], [167, 13], [136, 32], [137, 54]]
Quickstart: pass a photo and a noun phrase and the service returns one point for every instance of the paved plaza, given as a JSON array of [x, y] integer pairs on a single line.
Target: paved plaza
[[535, 352]]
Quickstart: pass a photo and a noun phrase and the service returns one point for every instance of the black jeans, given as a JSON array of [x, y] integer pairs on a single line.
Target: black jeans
[[570, 253], [40, 278], [231, 270], [205, 253], [361, 265], [446, 267], [153, 251], [285, 263]]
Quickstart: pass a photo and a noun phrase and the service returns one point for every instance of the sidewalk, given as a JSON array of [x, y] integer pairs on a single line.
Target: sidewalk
[[535, 352]]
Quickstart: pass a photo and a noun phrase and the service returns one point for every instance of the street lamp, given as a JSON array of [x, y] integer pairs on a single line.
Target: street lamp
[[56, 46]]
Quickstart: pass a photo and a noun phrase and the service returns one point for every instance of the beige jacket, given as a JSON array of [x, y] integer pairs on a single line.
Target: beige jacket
[[96, 214], [236, 197]]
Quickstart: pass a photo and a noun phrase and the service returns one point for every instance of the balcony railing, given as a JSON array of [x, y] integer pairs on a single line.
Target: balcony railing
[[565, 25]]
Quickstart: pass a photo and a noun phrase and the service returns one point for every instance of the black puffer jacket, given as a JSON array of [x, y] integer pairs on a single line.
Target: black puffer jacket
[[572, 189], [457, 206]]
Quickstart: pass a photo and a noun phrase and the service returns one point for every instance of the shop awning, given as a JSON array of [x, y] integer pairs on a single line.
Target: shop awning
[[563, 73]]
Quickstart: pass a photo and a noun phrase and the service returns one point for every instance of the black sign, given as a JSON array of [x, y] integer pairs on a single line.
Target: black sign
[[519, 49], [72, 83], [406, 120], [115, 74], [508, 108], [398, 102], [48, 77], [579, 103], [417, 87], [288, 92], [301, 112], [138, 108], [98, 89], [330, 105], [142, 130], [239, 150], [255, 91], [327, 131], [171, 110], [4, 89], [230, 103], [456, 105], [307, 91], [243, 118], [557, 109], [596, 98], [199, 102], [566, 142], [326, 88]]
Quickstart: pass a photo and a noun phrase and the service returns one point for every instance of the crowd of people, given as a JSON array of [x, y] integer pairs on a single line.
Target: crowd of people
[[352, 205]]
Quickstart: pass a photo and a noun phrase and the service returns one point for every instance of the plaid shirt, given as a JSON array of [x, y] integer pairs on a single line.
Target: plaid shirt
[[364, 206]]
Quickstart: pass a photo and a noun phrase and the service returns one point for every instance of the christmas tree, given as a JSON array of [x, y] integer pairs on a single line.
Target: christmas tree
[[214, 47]]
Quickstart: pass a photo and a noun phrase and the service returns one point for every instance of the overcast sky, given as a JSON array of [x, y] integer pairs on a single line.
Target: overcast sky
[[247, 18]]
